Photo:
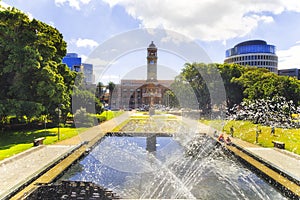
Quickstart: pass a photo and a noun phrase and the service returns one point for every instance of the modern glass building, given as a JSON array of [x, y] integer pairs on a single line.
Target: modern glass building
[[74, 63], [253, 53], [88, 73]]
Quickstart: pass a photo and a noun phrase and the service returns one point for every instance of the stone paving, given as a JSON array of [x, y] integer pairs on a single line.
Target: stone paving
[[283, 160], [21, 168], [288, 164]]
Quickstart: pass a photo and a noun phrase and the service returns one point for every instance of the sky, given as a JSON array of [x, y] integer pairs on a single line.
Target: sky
[[213, 25]]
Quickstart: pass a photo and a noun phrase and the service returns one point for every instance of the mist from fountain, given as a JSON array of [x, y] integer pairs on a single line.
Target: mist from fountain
[[185, 166]]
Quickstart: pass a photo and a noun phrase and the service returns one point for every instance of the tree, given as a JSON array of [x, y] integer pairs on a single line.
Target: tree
[[182, 94], [30, 64], [111, 86], [234, 91], [170, 99], [259, 83], [83, 119], [100, 90], [203, 83], [191, 74]]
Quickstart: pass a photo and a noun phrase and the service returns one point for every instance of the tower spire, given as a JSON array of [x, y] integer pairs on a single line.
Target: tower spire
[[152, 63]]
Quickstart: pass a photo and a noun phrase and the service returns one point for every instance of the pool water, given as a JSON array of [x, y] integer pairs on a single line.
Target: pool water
[[157, 167]]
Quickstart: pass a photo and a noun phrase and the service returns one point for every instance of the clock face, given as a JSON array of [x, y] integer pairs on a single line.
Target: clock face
[[151, 62]]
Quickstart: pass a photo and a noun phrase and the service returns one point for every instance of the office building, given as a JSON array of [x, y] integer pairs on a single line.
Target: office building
[[293, 72], [74, 63], [253, 53]]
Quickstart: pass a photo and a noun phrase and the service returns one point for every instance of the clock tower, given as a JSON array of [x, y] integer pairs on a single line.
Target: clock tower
[[152, 63]]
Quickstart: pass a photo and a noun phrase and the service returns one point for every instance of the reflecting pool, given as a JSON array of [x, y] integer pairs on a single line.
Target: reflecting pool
[[164, 167]]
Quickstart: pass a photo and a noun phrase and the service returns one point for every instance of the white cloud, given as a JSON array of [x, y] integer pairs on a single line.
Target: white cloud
[[30, 16], [73, 3], [206, 19], [51, 23], [86, 43], [5, 5], [83, 58], [289, 58]]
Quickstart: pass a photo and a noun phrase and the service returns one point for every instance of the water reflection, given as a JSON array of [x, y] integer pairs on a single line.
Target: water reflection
[[196, 170]]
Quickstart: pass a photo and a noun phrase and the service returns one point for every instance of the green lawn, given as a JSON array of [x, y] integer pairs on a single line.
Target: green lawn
[[15, 142], [247, 131], [142, 122], [111, 114]]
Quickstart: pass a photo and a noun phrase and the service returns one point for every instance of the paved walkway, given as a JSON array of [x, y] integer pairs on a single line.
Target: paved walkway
[[17, 170], [282, 160]]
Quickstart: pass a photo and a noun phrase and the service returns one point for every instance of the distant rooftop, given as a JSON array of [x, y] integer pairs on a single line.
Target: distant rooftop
[[152, 45], [251, 46], [251, 42], [72, 55]]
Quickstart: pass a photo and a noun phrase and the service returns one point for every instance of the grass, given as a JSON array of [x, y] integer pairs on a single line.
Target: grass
[[111, 114], [246, 131], [156, 123], [15, 142], [120, 126], [145, 115]]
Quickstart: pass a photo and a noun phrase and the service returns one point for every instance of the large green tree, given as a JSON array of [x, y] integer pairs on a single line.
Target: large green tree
[[201, 82], [30, 66], [234, 91], [259, 83], [240, 83]]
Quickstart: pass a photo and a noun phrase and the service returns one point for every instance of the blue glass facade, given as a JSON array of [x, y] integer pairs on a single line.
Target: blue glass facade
[[73, 61], [253, 53], [253, 46]]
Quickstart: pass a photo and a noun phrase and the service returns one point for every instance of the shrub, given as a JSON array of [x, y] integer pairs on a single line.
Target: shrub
[[83, 118], [276, 111], [101, 118]]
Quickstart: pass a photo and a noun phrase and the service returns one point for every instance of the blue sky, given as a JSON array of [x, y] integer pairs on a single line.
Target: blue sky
[[215, 25]]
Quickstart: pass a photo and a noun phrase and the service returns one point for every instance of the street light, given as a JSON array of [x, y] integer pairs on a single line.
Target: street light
[[58, 131]]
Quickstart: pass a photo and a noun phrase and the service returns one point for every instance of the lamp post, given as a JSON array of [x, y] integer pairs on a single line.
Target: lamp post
[[58, 131]]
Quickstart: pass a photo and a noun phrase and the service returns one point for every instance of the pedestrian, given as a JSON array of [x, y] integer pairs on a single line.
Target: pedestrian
[[272, 130], [228, 140], [231, 131], [221, 137], [258, 131]]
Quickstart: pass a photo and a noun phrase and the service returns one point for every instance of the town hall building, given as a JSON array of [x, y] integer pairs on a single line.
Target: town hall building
[[139, 93]]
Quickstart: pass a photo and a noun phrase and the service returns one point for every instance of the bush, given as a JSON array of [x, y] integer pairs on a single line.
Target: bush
[[101, 118], [276, 111], [83, 119]]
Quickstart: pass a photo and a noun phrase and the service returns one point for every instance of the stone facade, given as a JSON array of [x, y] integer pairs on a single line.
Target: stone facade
[[137, 93]]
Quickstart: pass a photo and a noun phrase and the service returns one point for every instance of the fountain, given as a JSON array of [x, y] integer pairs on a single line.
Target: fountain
[[183, 165]]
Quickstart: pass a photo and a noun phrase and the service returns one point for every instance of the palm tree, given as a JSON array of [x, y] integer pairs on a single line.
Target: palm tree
[[111, 86], [100, 90]]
